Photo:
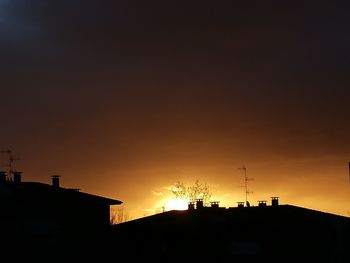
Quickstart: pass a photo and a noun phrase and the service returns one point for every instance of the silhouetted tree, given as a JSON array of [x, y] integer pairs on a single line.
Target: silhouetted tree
[[180, 191], [197, 191]]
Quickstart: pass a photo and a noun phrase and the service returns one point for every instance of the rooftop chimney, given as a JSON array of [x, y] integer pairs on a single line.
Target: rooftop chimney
[[240, 204], [17, 177], [191, 205], [55, 180], [199, 203], [214, 204], [274, 201], [261, 203]]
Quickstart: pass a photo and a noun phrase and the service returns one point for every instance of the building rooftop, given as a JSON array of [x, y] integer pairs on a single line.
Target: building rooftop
[[249, 233], [37, 190]]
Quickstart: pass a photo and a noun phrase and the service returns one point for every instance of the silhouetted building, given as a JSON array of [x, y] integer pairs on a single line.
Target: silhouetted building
[[52, 205], [34, 206], [282, 233], [39, 219]]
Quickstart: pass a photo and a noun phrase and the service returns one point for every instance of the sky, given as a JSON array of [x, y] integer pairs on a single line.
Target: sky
[[125, 98]]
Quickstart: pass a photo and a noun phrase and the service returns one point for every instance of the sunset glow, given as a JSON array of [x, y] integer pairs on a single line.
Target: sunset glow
[[126, 102], [177, 204]]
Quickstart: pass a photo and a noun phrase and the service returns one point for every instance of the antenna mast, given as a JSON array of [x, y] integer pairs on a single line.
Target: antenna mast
[[10, 164], [246, 179]]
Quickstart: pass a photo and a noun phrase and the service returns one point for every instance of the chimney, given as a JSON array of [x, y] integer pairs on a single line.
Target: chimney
[[240, 204], [261, 203], [2, 177], [214, 204], [190, 205], [199, 203], [274, 201], [55, 180], [17, 177]]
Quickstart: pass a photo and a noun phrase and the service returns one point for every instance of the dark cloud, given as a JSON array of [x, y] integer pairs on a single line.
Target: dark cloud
[[260, 52]]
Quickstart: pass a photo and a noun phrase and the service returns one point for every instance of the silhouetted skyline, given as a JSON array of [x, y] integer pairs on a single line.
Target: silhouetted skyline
[[124, 98]]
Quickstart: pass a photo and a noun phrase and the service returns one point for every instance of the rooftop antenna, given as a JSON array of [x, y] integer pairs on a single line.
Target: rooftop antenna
[[10, 163], [246, 179]]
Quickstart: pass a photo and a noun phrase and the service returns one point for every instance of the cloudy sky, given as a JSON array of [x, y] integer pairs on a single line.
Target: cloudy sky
[[125, 98]]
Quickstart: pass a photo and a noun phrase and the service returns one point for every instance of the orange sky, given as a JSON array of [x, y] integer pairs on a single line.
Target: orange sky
[[319, 183], [124, 99]]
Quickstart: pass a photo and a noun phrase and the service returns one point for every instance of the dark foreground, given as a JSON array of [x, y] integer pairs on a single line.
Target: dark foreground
[[268, 234]]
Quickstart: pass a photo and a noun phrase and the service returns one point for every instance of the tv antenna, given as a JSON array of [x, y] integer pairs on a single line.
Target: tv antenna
[[246, 179], [10, 164]]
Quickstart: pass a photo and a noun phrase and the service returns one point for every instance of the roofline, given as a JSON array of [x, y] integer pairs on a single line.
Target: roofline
[[105, 199], [110, 201]]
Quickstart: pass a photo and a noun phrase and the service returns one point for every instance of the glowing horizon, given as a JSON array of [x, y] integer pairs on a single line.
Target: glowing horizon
[[128, 101]]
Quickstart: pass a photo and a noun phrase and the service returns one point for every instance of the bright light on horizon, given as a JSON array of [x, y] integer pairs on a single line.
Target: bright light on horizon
[[177, 204]]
